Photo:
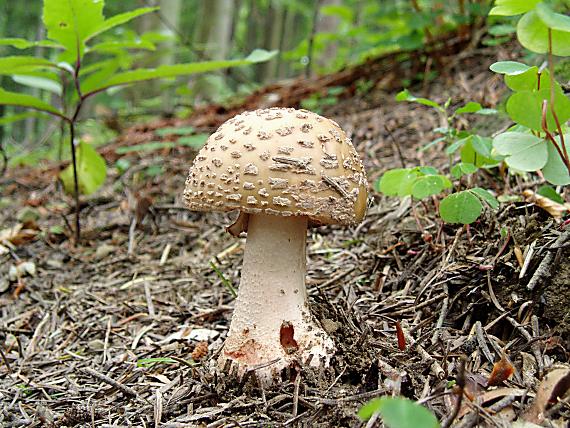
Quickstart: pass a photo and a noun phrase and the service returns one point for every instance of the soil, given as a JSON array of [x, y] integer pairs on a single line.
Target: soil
[[95, 336]]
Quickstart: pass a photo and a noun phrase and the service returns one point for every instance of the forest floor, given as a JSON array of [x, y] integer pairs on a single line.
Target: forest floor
[[93, 336]]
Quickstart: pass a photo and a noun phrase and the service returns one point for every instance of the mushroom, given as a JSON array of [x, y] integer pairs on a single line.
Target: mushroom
[[284, 170]]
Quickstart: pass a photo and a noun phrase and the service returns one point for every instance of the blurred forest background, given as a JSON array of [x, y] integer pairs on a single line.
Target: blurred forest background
[[312, 37]]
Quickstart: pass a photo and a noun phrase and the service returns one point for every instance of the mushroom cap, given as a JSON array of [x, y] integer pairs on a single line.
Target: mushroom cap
[[280, 161]]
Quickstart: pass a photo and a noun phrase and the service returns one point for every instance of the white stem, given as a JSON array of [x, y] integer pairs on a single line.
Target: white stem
[[272, 286], [271, 319]]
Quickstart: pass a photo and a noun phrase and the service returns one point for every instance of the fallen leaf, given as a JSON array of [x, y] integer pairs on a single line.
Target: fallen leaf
[[17, 235], [519, 255], [553, 208], [160, 378], [491, 395], [104, 250], [523, 424], [21, 269], [203, 334], [502, 370], [554, 386]]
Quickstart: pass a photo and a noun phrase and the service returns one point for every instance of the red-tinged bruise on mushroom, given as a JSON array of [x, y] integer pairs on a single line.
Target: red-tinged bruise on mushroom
[[285, 170]]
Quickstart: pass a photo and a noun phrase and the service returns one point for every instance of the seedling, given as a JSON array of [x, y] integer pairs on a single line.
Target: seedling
[[421, 183], [398, 412], [538, 105], [73, 75]]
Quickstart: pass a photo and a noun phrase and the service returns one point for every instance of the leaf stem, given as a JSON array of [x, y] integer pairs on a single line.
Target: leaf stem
[[554, 115], [75, 180], [551, 137], [72, 122]]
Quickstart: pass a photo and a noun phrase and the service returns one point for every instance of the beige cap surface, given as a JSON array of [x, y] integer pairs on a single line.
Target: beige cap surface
[[280, 161]]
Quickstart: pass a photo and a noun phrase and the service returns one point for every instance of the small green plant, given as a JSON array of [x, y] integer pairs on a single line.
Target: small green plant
[[318, 100], [225, 281], [73, 73], [397, 412], [462, 206], [538, 105]]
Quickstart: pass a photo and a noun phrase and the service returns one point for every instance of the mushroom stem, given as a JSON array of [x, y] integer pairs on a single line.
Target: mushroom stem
[[271, 319]]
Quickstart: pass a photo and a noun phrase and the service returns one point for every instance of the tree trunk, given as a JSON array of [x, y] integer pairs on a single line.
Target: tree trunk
[[32, 122], [327, 24], [213, 38], [165, 21], [170, 11], [273, 35], [253, 19]]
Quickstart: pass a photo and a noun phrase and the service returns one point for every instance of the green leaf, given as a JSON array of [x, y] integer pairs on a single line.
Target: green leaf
[[406, 96], [555, 171], [24, 100], [525, 81], [533, 35], [501, 30], [91, 171], [429, 185], [194, 141], [460, 169], [452, 148], [399, 412], [550, 193], [72, 22], [470, 107], [524, 152], [259, 55], [432, 143], [100, 75], [122, 165], [512, 7], [38, 82], [146, 147], [154, 171], [477, 151], [165, 71], [397, 182], [116, 46], [119, 19], [175, 130], [482, 145], [462, 207], [555, 21], [485, 196], [26, 44], [525, 108], [427, 170], [486, 111], [18, 64]]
